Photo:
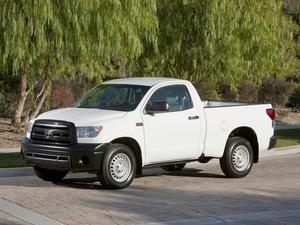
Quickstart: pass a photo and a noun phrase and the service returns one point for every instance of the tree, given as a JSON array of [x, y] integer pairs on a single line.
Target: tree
[[41, 40], [221, 40]]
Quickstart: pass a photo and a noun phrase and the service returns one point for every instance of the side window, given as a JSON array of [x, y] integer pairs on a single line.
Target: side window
[[177, 96]]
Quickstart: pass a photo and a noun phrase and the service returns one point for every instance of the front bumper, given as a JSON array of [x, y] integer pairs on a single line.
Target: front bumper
[[273, 141], [76, 157]]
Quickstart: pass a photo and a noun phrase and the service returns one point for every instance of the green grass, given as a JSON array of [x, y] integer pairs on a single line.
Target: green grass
[[11, 160], [287, 137]]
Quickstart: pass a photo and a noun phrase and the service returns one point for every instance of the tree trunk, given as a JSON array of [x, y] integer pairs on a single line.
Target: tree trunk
[[22, 98], [27, 116], [41, 99]]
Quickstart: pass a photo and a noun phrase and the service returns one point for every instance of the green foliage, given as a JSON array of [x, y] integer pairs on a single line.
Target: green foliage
[[292, 8], [222, 40], [64, 37], [218, 43], [43, 40]]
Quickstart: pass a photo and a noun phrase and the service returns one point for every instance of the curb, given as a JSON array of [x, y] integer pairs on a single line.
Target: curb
[[280, 151], [9, 150], [16, 172]]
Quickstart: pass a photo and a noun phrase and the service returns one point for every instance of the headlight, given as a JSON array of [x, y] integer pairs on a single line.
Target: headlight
[[29, 127], [88, 132]]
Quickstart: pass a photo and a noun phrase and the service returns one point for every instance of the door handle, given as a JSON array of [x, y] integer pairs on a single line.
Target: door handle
[[193, 117]]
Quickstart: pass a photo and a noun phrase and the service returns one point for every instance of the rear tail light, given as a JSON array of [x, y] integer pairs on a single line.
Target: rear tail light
[[271, 113]]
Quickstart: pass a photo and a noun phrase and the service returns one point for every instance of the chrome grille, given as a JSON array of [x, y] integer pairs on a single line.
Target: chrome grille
[[53, 132]]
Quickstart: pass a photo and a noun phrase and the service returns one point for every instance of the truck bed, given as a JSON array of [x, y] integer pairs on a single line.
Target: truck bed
[[214, 104], [223, 117]]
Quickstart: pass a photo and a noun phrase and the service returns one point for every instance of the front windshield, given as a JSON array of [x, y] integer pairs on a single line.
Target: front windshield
[[120, 97]]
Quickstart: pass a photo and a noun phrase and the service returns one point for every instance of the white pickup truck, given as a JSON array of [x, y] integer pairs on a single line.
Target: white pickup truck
[[124, 125]]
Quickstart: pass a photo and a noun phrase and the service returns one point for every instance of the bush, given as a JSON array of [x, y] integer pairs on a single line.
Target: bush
[[9, 92], [8, 104], [226, 92], [62, 96], [294, 100], [294, 76], [2, 103], [247, 91], [205, 90], [275, 91]]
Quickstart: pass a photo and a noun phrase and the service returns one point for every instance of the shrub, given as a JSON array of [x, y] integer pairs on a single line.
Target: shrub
[[226, 92], [247, 91], [294, 76], [8, 104], [205, 89], [275, 91], [62, 96], [294, 100], [8, 96]]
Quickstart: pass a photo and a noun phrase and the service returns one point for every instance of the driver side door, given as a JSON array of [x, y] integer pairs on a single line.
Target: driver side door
[[172, 135]]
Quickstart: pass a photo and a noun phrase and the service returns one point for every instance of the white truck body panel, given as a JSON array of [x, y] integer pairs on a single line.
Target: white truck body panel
[[221, 121]]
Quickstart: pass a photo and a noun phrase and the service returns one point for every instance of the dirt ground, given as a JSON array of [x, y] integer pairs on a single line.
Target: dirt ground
[[288, 116], [10, 138]]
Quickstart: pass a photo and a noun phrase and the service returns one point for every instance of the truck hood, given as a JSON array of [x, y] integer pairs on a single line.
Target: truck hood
[[82, 116]]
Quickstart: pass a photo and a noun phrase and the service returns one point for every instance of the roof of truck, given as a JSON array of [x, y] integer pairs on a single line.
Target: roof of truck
[[146, 81]]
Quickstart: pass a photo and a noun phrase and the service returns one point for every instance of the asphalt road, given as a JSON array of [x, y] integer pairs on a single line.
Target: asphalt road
[[200, 194]]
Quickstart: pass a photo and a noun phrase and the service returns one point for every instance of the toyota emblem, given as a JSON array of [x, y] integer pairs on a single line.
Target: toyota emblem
[[48, 133]]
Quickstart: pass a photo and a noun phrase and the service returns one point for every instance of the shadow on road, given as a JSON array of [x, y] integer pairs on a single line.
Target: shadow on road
[[82, 183], [93, 182], [88, 181]]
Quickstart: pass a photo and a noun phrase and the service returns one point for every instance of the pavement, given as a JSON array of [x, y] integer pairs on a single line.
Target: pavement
[[200, 194]]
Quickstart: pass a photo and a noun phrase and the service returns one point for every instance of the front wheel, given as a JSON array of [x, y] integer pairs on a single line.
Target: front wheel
[[237, 160], [50, 175], [118, 167], [174, 167]]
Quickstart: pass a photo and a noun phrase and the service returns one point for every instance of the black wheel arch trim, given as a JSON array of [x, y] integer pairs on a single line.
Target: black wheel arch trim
[[249, 134]]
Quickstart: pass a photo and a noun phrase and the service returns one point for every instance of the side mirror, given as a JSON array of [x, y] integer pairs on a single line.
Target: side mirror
[[156, 107]]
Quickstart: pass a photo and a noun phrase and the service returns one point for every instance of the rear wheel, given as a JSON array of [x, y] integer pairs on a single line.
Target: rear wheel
[[118, 167], [237, 160], [174, 167], [49, 175]]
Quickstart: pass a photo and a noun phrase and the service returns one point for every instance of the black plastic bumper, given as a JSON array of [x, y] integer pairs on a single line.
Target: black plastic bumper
[[76, 158], [273, 141]]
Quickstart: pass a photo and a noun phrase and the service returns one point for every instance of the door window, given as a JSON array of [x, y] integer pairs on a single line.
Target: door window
[[177, 97]]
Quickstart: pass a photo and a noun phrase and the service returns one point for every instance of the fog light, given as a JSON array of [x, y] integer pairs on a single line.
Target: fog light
[[84, 161]]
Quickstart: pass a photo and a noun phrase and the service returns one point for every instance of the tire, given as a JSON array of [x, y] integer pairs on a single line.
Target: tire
[[50, 175], [173, 167], [118, 167], [237, 160]]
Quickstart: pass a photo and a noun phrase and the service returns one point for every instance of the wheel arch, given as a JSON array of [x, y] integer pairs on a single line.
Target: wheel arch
[[249, 134], [135, 147]]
